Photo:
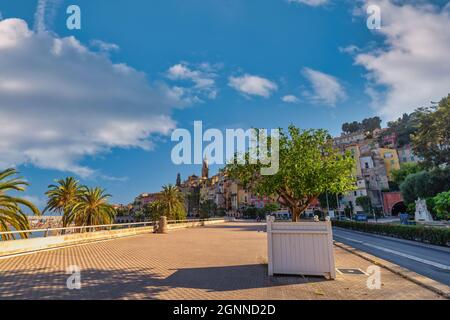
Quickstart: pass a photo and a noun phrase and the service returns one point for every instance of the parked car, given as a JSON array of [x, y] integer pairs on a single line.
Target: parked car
[[361, 217]]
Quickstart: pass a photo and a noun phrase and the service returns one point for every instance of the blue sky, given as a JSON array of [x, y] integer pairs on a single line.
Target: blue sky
[[100, 102]]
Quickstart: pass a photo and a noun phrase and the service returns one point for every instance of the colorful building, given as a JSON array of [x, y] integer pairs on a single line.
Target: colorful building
[[391, 161], [407, 155], [356, 154], [352, 138], [143, 199]]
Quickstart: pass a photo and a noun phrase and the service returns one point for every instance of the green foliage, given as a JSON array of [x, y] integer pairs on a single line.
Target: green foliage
[[11, 208], [432, 139], [411, 208], [270, 208], [208, 209], [351, 127], [123, 212], [62, 197], [365, 203], [430, 205], [432, 235], [403, 127], [154, 210], [193, 200], [172, 203], [442, 205], [371, 124], [139, 215], [91, 208], [351, 207], [348, 212], [425, 184], [393, 186], [332, 201], [79, 204], [367, 125], [406, 169], [221, 212], [252, 212], [309, 166]]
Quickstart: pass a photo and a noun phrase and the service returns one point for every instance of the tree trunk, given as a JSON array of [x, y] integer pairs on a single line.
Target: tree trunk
[[297, 207], [295, 214]]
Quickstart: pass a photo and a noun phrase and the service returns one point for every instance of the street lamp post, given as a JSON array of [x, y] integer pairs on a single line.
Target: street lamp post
[[372, 209], [338, 206], [377, 177], [328, 204]]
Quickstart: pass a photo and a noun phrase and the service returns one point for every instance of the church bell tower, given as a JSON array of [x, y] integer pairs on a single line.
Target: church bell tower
[[205, 169]]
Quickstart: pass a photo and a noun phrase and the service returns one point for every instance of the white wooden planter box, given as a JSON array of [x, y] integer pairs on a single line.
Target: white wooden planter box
[[300, 248]]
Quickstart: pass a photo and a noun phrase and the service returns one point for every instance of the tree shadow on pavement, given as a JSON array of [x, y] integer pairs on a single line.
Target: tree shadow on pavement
[[240, 227], [138, 283]]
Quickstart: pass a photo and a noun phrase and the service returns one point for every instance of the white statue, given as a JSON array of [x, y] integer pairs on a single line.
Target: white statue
[[422, 213]]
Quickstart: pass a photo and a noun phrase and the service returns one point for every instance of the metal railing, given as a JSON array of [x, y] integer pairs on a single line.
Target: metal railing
[[51, 232], [193, 220], [46, 232]]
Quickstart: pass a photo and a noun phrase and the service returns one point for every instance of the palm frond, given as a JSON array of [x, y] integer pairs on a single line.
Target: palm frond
[[11, 213]]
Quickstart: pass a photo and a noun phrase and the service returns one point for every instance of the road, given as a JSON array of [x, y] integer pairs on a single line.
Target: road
[[430, 261]]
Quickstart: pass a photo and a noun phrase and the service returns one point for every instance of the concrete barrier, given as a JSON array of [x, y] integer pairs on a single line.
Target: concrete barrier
[[35, 244], [184, 225]]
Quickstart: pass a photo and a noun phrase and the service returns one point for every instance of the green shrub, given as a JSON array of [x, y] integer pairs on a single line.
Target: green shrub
[[431, 235], [253, 212], [442, 205], [365, 203], [425, 184]]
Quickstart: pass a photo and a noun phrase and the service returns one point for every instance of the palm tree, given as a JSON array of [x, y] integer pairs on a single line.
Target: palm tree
[[92, 208], [11, 213], [172, 199], [63, 196], [154, 210]]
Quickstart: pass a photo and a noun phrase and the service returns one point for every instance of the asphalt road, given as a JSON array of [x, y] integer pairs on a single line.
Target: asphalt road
[[430, 261]]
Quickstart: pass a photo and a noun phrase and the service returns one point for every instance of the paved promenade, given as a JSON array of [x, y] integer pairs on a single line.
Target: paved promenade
[[217, 262]]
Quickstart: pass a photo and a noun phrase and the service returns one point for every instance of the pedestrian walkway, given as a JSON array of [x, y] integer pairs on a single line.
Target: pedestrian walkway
[[227, 261]]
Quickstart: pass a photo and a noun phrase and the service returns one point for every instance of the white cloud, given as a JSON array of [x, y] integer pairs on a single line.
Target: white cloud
[[104, 46], [413, 68], [39, 16], [253, 85], [37, 201], [202, 76], [290, 99], [349, 49], [312, 3], [60, 102], [113, 179], [45, 14], [326, 89]]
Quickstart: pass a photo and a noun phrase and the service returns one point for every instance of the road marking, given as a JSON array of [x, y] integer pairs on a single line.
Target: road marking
[[401, 254]]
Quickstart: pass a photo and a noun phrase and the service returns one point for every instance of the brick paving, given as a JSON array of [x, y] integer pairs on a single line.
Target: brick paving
[[226, 261]]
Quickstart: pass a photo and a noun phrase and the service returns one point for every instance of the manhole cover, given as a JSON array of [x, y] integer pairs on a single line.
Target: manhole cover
[[351, 271]]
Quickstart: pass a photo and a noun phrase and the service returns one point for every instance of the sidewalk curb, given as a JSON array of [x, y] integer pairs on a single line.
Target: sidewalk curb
[[422, 281]]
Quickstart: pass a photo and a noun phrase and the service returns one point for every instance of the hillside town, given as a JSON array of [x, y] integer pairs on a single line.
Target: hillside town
[[377, 152]]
